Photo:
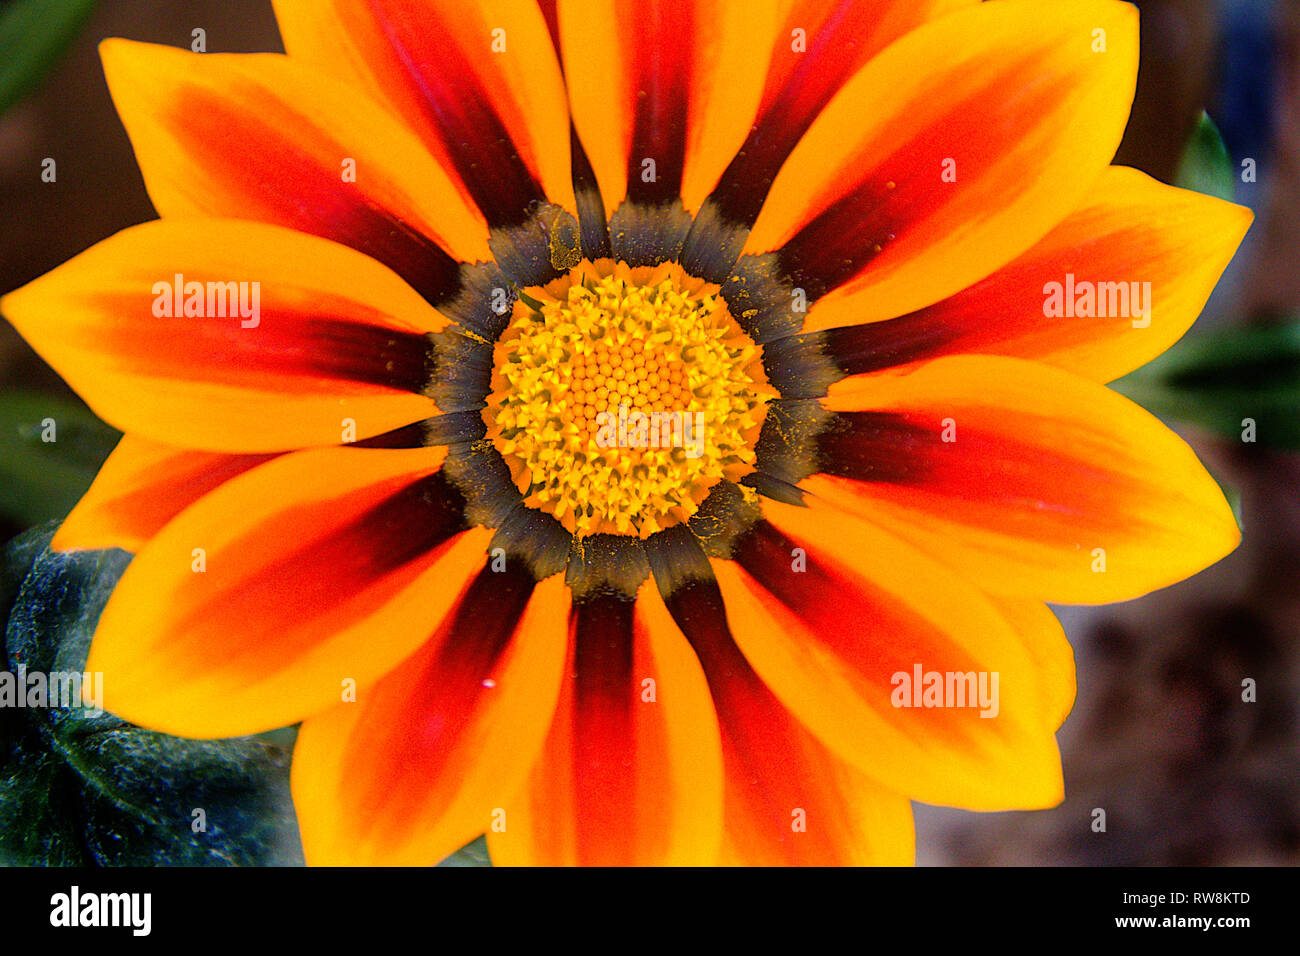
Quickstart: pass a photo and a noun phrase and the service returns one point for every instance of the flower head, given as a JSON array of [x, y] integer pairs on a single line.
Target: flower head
[[637, 430]]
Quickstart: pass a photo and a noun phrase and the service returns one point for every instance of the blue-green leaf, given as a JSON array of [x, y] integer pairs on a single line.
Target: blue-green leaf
[[81, 789], [1205, 165]]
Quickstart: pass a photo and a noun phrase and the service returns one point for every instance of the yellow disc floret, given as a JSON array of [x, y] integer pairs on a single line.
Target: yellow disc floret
[[620, 396]]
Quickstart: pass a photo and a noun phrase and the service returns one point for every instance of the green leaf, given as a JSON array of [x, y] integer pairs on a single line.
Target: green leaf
[[471, 854], [1205, 165], [85, 789], [32, 35], [41, 478], [1236, 383]]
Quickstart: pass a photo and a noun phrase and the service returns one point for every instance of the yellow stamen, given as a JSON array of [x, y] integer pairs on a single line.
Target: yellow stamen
[[621, 396]]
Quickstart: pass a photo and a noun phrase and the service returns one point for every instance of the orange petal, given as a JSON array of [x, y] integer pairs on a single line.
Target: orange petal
[[1008, 100], [1044, 640], [263, 602], [141, 487], [1134, 241], [478, 82], [1031, 481], [330, 336], [818, 47], [847, 625], [261, 136], [430, 756], [789, 800], [631, 773], [677, 83]]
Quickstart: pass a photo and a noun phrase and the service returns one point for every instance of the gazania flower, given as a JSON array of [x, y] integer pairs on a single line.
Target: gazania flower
[[623, 428]]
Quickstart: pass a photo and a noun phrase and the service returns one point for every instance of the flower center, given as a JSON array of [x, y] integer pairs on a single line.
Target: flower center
[[621, 395]]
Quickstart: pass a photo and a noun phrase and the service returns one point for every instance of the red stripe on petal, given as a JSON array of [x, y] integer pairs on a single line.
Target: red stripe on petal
[[431, 755], [662, 75], [801, 578], [839, 37], [786, 798], [450, 676], [321, 204], [309, 344], [900, 189], [603, 721]]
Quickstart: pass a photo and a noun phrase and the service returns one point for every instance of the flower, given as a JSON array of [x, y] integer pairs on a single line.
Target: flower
[[387, 365]]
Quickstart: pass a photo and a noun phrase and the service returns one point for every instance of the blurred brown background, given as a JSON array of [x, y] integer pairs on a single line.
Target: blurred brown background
[[1160, 738]]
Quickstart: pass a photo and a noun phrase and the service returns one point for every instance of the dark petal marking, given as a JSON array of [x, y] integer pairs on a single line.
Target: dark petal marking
[[535, 538], [872, 346], [478, 470], [408, 436], [798, 366], [446, 429], [539, 250], [462, 371], [787, 444], [606, 564], [484, 622], [722, 517], [771, 487], [842, 239], [675, 558], [643, 235], [878, 446], [483, 305], [446, 685], [769, 771], [854, 619], [713, 245], [758, 297], [454, 428], [891, 195]]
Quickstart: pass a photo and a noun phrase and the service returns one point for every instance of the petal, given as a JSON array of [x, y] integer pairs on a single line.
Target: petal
[[631, 773], [1134, 241], [331, 335], [840, 618], [257, 605], [1009, 97], [429, 757], [261, 136], [1044, 639], [478, 82], [673, 82], [819, 46], [1032, 481], [789, 800], [141, 487]]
